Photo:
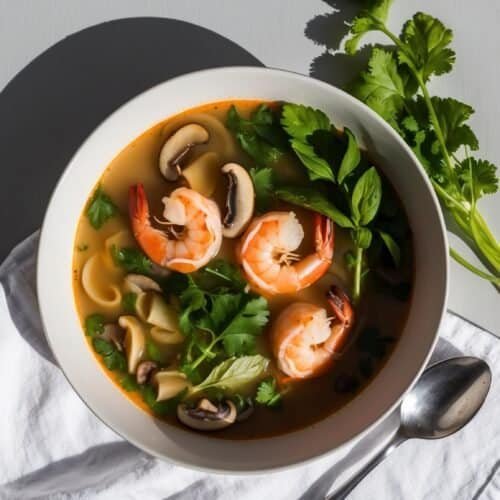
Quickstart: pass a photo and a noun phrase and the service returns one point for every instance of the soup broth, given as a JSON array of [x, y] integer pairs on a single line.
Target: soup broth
[[379, 315]]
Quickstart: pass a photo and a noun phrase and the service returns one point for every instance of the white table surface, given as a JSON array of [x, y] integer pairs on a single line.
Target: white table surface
[[273, 31]]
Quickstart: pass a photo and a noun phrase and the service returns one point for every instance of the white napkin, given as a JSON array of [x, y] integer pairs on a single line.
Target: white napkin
[[52, 446]]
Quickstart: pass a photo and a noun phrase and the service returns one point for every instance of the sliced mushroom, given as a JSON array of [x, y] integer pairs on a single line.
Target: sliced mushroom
[[240, 200], [135, 341], [207, 416], [115, 334], [178, 146], [170, 383], [203, 173], [138, 283], [145, 371]]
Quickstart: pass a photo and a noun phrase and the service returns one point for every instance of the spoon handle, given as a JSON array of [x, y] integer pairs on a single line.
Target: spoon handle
[[342, 493]]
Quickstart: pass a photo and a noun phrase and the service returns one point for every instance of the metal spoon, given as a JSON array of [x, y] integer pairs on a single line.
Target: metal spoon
[[445, 398]]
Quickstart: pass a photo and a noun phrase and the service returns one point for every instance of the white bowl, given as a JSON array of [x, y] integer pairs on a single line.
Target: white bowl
[[63, 329]]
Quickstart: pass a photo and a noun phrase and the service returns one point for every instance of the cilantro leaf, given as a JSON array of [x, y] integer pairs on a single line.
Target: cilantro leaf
[[317, 167], [128, 302], [111, 357], [301, 121], [239, 336], [233, 374], [382, 86], [132, 260], [427, 46], [312, 199], [451, 115], [370, 19], [102, 347], [263, 182], [260, 137], [129, 382], [219, 274], [268, 394], [94, 324], [100, 209], [477, 178], [115, 361]]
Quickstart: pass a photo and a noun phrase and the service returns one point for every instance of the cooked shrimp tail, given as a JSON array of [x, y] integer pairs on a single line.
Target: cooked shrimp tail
[[268, 255], [306, 342], [194, 230], [342, 321]]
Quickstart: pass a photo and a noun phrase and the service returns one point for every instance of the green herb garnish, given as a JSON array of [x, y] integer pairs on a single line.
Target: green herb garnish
[[100, 208], [261, 137], [94, 324], [359, 188], [128, 302], [263, 182], [111, 357], [129, 383], [217, 316], [233, 374], [153, 351], [395, 86], [268, 394], [132, 260]]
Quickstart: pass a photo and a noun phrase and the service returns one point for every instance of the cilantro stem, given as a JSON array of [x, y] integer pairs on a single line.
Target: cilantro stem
[[461, 260], [356, 292], [206, 353], [468, 218]]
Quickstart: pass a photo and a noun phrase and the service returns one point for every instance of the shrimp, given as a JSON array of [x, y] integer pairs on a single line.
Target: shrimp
[[306, 342], [194, 229], [266, 253]]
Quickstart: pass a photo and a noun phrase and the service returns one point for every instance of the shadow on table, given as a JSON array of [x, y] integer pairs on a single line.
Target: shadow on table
[[328, 31], [56, 101]]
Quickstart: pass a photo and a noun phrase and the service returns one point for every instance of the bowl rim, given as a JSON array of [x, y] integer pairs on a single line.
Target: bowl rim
[[44, 243]]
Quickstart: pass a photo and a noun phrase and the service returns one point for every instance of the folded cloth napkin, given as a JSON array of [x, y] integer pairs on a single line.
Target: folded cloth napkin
[[52, 446]]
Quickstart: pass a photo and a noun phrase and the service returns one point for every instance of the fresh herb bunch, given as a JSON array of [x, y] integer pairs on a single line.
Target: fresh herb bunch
[[342, 185], [352, 191], [219, 318], [395, 85]]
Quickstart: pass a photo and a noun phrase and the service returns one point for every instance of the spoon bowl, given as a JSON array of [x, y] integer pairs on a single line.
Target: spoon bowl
[[445, 398]]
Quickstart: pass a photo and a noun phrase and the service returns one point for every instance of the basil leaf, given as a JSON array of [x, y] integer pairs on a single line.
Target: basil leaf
[[312, 199], [234, 373], [392, 246], [351, 158], [362, 237], [366, 197]]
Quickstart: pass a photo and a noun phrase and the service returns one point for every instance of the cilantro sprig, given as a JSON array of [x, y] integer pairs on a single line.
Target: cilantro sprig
[[219, 318], [100, 208], [260, 136], [395, 85], [268, 393]]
